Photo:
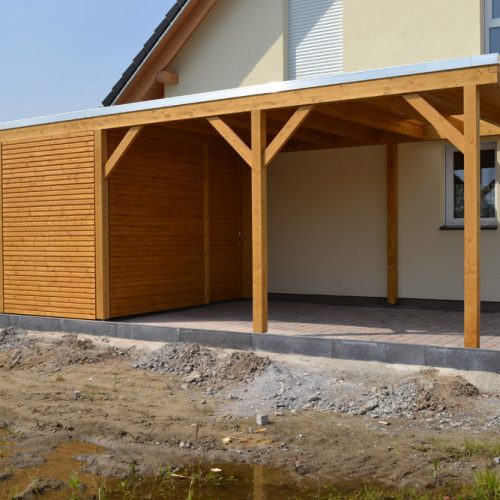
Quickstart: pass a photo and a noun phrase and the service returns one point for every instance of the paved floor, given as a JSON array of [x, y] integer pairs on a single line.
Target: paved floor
[[410, 326]]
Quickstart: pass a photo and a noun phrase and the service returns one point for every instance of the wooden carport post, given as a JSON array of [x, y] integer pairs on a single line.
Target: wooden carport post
[[259, 222], [392, 224], [101, 226], [258, 157], [472, 217]]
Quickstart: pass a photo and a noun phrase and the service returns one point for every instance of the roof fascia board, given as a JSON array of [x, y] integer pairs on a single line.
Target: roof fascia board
[[160, 40]]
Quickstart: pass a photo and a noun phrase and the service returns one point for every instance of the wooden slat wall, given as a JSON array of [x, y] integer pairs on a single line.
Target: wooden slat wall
[[49, 226], [156, 226], [225, 173]]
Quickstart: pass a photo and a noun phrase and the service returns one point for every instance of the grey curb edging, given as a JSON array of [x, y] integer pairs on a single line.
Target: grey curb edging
[[384, 352]]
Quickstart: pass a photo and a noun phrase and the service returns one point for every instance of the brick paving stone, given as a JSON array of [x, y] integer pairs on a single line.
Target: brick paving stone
[[411, 326]]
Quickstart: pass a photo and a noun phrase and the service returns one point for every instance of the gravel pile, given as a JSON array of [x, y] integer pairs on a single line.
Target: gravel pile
[[280, 389], [13, 338], [199, 365]]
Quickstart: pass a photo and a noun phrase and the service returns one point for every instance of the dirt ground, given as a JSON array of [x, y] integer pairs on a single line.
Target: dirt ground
[[107, 408]]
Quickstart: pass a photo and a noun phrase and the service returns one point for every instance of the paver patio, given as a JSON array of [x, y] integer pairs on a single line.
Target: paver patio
[[406, 326]]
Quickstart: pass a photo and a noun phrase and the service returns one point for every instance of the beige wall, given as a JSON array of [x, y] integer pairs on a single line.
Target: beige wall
[[239, 43], [327, 222], [243, 42], [397, 32], [327, 226], [431, 261]]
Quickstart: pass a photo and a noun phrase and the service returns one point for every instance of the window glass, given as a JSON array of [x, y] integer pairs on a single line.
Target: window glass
[[496, 9], [487, 184], [494, 40]]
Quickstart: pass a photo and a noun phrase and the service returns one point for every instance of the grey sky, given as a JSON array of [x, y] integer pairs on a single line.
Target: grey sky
[[65, 55]]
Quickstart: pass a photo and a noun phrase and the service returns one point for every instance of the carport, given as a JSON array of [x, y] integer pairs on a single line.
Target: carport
[[97, 204]]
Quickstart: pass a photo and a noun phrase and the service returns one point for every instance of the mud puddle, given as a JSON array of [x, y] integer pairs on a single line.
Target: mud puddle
[[57, 478], [63, 476]]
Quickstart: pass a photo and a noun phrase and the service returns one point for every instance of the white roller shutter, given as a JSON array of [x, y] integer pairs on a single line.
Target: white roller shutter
[[315, 38]]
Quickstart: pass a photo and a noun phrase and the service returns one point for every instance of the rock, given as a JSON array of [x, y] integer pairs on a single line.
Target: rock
[[227, 440], [182, 444], [75, 395], [185, 387], [497, 460], [192, 377], [262, 419]]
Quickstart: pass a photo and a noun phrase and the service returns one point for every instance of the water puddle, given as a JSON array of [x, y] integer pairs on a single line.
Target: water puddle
[[59, 466], [60, 478]]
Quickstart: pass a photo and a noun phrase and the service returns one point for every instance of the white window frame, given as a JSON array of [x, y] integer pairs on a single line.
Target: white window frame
[[450, 220], [489, 23]]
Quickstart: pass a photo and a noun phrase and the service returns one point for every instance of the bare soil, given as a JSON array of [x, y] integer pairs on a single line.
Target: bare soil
[[345, 424]]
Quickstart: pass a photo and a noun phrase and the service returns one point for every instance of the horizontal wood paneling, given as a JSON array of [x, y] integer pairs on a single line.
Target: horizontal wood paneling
[[49, 227], [156, 226]]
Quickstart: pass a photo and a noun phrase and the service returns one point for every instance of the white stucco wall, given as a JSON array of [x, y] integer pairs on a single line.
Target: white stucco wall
[[240, 43], [396, 32], [327, 226]]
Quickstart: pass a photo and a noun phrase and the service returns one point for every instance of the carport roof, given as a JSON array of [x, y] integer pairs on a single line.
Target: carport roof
[[439, 76]]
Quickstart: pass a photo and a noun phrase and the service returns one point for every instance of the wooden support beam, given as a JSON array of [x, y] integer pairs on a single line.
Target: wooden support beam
[[101, 226], [472, 217], [122, 148], [167, 77], [286, 132], [1, 234], [392, 224], [206, 221], [375, 119], [233, 139], [259, 222], [443, 126]]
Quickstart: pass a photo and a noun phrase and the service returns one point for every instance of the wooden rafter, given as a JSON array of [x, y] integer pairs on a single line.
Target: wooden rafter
[[167, 77], [233, 139], [286, 132], [122, 148], [443, 126], [375, 119]]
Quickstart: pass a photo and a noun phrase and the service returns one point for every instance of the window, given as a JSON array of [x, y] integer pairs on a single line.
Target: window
[[492, 26], [315, 38], [455, 185]]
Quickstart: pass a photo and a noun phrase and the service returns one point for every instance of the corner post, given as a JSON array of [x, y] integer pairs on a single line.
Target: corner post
[[472, 217], [392, 224], [101, 227], [1, 235], [259, 222]]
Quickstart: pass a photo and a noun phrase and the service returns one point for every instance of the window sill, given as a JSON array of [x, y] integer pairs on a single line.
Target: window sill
[[484, 227]]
